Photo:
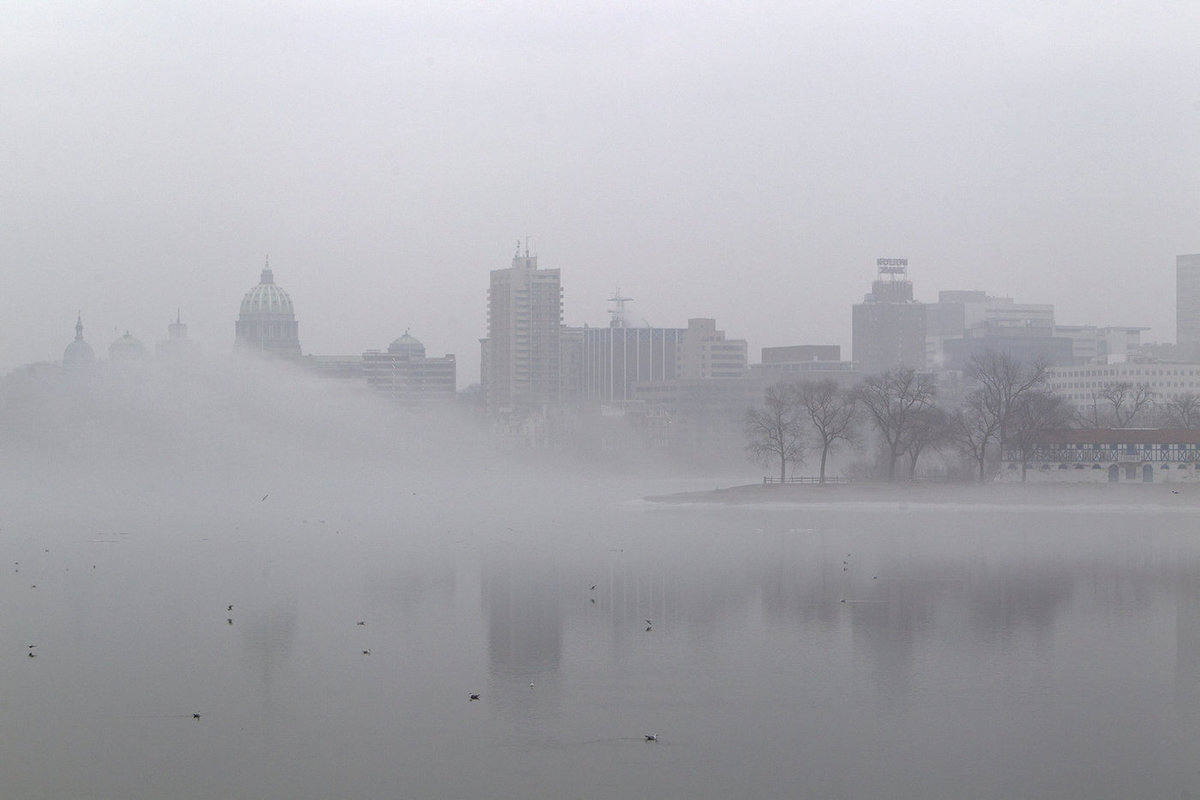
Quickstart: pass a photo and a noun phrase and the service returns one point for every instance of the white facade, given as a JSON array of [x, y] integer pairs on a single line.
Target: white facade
[[1082, 385], [1107, 455]]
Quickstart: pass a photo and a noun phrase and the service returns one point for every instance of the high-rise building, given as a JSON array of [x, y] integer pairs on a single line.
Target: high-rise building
[[521, 359], [889, 326], [267, 322], [1187, 300], [600, 365]]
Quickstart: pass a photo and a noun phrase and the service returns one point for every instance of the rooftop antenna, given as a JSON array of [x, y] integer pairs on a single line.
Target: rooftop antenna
[[618, 313]]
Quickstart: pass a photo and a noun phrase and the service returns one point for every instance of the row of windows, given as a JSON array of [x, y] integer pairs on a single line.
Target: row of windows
[[1122, 373], [1057, 385], [1093, 456]]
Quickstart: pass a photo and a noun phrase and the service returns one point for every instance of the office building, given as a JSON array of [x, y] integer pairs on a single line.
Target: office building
[[705, 353], [404, 373], [889, 325]]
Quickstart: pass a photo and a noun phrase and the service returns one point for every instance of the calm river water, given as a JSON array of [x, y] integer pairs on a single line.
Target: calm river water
[[850, 650]]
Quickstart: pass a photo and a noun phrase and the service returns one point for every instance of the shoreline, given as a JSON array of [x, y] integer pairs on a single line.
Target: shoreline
[[1173, 495]]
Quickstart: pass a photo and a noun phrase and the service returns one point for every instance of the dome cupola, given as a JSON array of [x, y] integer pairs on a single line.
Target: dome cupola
[[267, 321], [126, 348], [78, 353], [408, 346]]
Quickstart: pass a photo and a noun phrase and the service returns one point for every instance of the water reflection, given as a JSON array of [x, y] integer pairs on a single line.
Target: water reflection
[[268, 642], [815, 652]]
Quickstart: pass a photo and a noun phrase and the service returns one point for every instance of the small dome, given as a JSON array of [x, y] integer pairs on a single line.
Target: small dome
[[125, 348], [78, 352], [267, 298], [407, 345]]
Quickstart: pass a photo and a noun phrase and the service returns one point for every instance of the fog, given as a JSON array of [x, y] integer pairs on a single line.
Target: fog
[[227, 576], [746, 162], [207, 542]]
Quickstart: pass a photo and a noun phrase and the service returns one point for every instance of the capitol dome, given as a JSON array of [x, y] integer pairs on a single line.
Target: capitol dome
[[78, 353], [267, 321], [407, 346], [267, 298]]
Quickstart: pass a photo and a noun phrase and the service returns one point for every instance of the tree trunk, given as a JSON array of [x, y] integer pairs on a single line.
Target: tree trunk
[[782, 470], [824, 452]]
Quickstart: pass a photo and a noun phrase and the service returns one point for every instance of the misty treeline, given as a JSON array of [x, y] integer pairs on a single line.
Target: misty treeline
[[884, 425]]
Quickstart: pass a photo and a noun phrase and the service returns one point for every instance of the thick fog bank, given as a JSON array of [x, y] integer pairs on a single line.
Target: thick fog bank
[[219, 438]]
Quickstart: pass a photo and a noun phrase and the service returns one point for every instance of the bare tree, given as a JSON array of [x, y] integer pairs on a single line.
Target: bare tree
[[891, 400], [973, 426], [1034, 415], [1003, 380], [832, 413], [775, 430], [1183, 410], [929, 427], [1126, 400]]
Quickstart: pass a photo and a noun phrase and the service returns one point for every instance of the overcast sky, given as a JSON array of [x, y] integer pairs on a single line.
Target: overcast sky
[[743, 161]]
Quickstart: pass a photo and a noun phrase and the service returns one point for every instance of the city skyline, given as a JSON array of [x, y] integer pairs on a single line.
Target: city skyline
[[627, 319], [746, 163]]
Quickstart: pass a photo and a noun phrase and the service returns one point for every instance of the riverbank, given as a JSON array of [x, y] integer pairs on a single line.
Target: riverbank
[[1181, 495]]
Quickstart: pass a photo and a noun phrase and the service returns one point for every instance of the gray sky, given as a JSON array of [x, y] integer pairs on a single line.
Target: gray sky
[[744, 161]]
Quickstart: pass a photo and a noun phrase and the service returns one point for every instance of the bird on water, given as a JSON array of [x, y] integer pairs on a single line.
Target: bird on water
[[651, 737], [472, 697]]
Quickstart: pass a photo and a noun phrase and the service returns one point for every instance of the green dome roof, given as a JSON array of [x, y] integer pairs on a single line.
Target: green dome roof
[[267, 298], [408, 345]]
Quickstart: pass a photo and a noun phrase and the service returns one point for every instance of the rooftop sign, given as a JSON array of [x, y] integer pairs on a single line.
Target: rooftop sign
[[892, 266]]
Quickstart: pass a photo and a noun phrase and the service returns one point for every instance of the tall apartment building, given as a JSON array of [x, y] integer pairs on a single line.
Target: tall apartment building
[[888, 325], [522, 351], [1187, 300]]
